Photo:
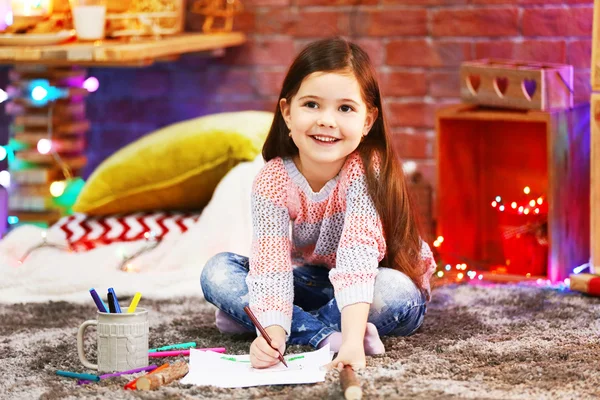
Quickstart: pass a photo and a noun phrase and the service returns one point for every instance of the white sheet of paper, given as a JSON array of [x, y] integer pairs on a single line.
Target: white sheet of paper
[[229, 371]]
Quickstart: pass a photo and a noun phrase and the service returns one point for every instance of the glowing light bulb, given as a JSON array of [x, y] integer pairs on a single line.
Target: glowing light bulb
[[460, 275], [39, 93], [494, 204], [537, 211], [521, 209], [91, 84], [526, 211], [440, 239], [480, 277], [409, 167], [436, 244], [44, 146], [448, 267], [440, 274], [57, 188], [540, 200], [526, 190], [501, 208], [532, 203], [513, 204], [5, 179], [498, 199]]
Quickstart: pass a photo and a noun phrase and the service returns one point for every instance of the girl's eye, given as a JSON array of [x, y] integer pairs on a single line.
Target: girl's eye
[[346, 108], [311, 104]]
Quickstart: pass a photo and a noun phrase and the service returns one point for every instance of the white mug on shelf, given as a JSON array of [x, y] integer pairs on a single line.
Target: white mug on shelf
[[89, 18]]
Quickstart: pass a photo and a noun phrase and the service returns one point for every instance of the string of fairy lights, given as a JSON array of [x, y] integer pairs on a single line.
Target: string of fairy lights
[[126, 264], [531, 205], [41, 93]]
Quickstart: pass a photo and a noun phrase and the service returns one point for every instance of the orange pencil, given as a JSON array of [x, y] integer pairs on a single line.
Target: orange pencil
[[131, 385]]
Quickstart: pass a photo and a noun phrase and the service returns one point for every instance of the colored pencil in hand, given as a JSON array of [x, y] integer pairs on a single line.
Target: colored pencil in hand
[[263, 332]]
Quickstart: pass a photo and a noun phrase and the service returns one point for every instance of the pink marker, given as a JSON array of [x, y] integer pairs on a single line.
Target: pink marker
[[175, 353]]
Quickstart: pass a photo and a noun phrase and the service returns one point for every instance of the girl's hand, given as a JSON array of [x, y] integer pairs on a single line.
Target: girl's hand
[[261, 354], [352, 354]]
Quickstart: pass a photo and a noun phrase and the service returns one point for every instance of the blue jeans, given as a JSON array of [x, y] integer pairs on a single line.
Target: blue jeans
[[398, 306]]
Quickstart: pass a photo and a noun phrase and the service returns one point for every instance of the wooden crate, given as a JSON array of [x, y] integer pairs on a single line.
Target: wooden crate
[[517, 84], [483, 152], [595, 184], [595, 72]]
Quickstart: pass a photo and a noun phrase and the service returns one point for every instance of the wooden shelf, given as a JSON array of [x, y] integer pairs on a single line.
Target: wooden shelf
[[119, 52]]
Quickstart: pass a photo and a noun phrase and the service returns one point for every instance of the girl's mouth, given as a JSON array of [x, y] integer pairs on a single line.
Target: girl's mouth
[[326, 140]]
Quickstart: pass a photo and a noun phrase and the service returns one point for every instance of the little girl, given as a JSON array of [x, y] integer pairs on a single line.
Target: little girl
[[354, 267]]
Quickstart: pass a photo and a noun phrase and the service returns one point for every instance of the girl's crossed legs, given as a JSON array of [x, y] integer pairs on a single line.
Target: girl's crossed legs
[[398, 305]]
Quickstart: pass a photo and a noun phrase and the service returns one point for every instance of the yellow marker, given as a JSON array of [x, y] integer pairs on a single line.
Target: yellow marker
[[134, 302]]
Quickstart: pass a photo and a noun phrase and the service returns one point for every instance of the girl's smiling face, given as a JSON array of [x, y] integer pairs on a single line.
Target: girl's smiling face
[[327, 118]]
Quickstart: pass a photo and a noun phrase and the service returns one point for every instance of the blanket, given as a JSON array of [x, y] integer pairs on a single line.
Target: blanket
[[171, 268]]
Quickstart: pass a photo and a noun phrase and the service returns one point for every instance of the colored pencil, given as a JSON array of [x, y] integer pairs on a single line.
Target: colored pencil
[[132, 384], [179, 346], [134, 302], [176, 353], [263, 332]]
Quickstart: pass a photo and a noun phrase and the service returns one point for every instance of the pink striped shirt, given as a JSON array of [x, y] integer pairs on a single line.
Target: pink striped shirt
[[337, 228]]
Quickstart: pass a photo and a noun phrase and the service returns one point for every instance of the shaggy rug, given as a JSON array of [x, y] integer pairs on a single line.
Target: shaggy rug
[[483, 342]]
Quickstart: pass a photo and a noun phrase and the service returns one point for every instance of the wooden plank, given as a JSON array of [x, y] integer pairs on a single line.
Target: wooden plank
[[36, 176], [68, 144], [32, 156], [119, 52], [569, 191], [61, 110], [595, 73], [457, 191], [475, 112], [53, 74], [41, 120], [49, 217], [595, 184], [69, 128]]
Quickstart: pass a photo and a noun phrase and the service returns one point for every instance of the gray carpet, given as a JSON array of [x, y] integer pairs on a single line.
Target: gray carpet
[[497, 342]]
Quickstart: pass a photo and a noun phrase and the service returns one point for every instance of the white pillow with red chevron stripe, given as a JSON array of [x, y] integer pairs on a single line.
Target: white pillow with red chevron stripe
[[84, 232]]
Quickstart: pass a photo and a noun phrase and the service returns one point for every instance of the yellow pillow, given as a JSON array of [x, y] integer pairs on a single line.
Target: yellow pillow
[[175, 168]]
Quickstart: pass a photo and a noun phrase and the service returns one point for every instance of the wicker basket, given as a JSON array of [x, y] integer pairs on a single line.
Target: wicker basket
[[147, 18]]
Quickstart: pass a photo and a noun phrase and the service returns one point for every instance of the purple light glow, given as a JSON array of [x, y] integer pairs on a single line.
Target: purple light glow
[[91, 84]]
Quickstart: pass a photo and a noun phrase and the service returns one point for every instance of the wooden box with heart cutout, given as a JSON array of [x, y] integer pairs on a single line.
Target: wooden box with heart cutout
[[484, 153], [595, 184], [517, 84]]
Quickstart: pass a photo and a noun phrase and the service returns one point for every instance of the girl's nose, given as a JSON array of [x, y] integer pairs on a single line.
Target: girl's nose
[[326, 120]]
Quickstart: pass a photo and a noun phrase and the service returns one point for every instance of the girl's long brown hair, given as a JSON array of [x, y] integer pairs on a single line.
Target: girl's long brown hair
[[389, 191]]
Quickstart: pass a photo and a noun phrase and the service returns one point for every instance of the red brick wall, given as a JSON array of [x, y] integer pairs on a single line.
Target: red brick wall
[[417, 46]]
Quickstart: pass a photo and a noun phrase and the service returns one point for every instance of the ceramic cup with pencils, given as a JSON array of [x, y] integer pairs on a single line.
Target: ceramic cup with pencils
[[122, 340]]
